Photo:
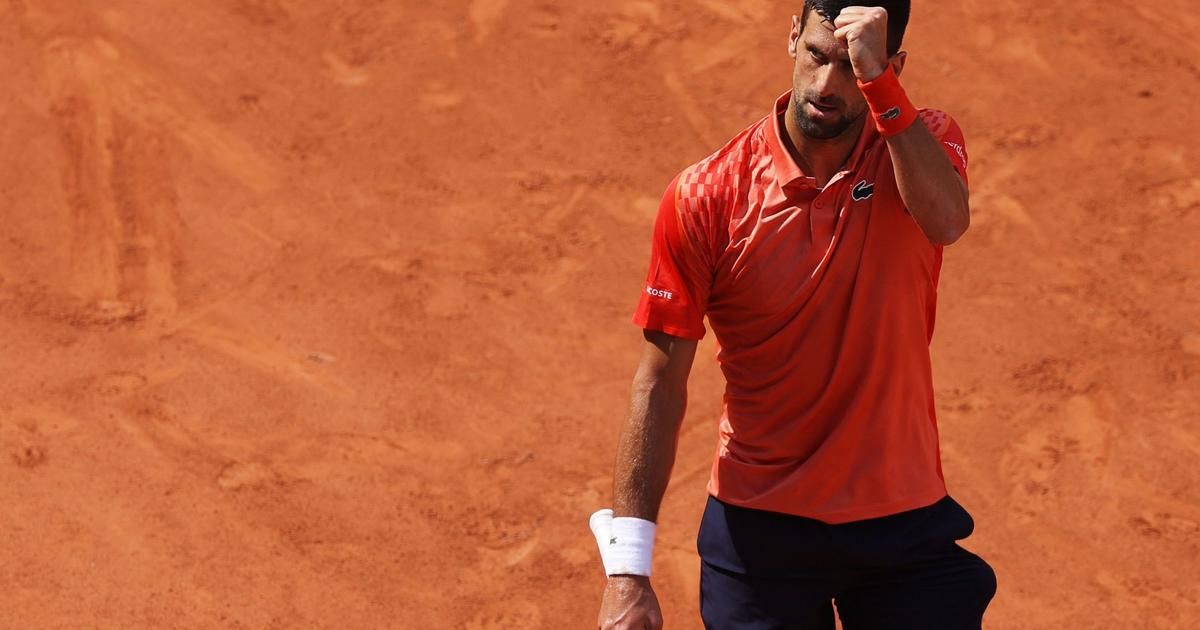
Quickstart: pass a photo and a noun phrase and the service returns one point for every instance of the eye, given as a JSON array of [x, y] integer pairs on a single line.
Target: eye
[[816, 56]]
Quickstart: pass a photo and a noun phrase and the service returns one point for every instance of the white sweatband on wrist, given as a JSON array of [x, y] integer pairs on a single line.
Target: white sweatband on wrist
[[626, 543]]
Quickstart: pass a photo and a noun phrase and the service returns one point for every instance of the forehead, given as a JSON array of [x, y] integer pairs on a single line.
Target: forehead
[[818, 33]]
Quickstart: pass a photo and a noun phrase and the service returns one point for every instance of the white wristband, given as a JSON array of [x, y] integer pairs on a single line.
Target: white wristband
[[626, 544]]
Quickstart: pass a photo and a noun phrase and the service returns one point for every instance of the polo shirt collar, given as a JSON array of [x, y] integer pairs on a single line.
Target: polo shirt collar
[[786, 170]]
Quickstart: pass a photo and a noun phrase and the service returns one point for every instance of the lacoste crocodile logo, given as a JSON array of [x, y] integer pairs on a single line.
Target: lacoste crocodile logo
[[862, 191]]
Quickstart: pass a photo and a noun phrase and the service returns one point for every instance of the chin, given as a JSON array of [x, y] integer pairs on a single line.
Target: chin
[[823, 131]]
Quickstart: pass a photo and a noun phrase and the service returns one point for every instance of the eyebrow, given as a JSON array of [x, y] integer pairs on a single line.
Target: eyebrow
[[839, 55]]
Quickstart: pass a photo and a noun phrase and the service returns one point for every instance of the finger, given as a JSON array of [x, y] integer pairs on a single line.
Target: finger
[[842, 19], [854, 13], [862, 10], [862, 15]]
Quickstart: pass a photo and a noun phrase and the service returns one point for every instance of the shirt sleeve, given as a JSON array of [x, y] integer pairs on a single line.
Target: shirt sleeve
[[675, 295], [949, 135]]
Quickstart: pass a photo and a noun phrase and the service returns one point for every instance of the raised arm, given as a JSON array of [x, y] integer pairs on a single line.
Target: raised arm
[[934, 193], [645, 456]]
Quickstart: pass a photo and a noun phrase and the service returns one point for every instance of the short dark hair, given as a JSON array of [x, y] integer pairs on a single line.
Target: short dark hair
[[897, 16]]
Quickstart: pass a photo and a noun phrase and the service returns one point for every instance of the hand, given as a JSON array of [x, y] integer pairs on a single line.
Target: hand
[[863, 31], [629, 604]]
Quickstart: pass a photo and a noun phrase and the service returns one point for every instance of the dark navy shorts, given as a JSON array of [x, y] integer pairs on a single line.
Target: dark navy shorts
[[764, 570]]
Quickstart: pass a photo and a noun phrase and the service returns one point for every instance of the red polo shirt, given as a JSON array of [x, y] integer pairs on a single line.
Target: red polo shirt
[[822, 301]]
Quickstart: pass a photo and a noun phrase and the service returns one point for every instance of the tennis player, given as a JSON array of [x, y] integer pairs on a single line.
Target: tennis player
[[813, 243]]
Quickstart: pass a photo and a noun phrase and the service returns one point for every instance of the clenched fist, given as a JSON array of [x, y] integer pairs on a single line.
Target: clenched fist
[[863, 31]]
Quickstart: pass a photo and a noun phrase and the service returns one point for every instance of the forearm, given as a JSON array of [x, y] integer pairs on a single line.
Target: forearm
[[929, 186], [646, 451]]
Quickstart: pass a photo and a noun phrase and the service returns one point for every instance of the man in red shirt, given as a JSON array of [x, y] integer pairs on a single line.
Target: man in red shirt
[[813, 242]]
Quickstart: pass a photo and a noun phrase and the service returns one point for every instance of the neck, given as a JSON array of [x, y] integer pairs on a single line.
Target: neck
[[821, 158]]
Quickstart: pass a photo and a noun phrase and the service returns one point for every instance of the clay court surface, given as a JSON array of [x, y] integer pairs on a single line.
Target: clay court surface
[[316, 314]]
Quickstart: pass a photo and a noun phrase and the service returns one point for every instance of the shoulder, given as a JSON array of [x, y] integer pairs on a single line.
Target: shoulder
[[714, 182], [940, 124], [703, 196]]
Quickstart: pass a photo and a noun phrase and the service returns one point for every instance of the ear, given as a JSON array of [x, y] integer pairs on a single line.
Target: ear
[[897, 62], [794, 37]]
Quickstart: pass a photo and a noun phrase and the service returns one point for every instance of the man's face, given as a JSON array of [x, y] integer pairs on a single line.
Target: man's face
[[826, 96]]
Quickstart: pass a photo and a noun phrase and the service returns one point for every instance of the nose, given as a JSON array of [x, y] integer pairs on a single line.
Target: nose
[[823, 81]]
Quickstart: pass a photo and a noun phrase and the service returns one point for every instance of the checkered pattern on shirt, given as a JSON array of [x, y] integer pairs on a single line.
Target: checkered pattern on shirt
[[709, 192]]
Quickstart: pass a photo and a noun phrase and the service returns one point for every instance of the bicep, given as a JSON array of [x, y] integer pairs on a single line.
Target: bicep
[[675, 295], [666, 359]]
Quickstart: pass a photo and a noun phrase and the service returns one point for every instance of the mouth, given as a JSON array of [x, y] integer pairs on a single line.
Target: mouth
[[822, 110]]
